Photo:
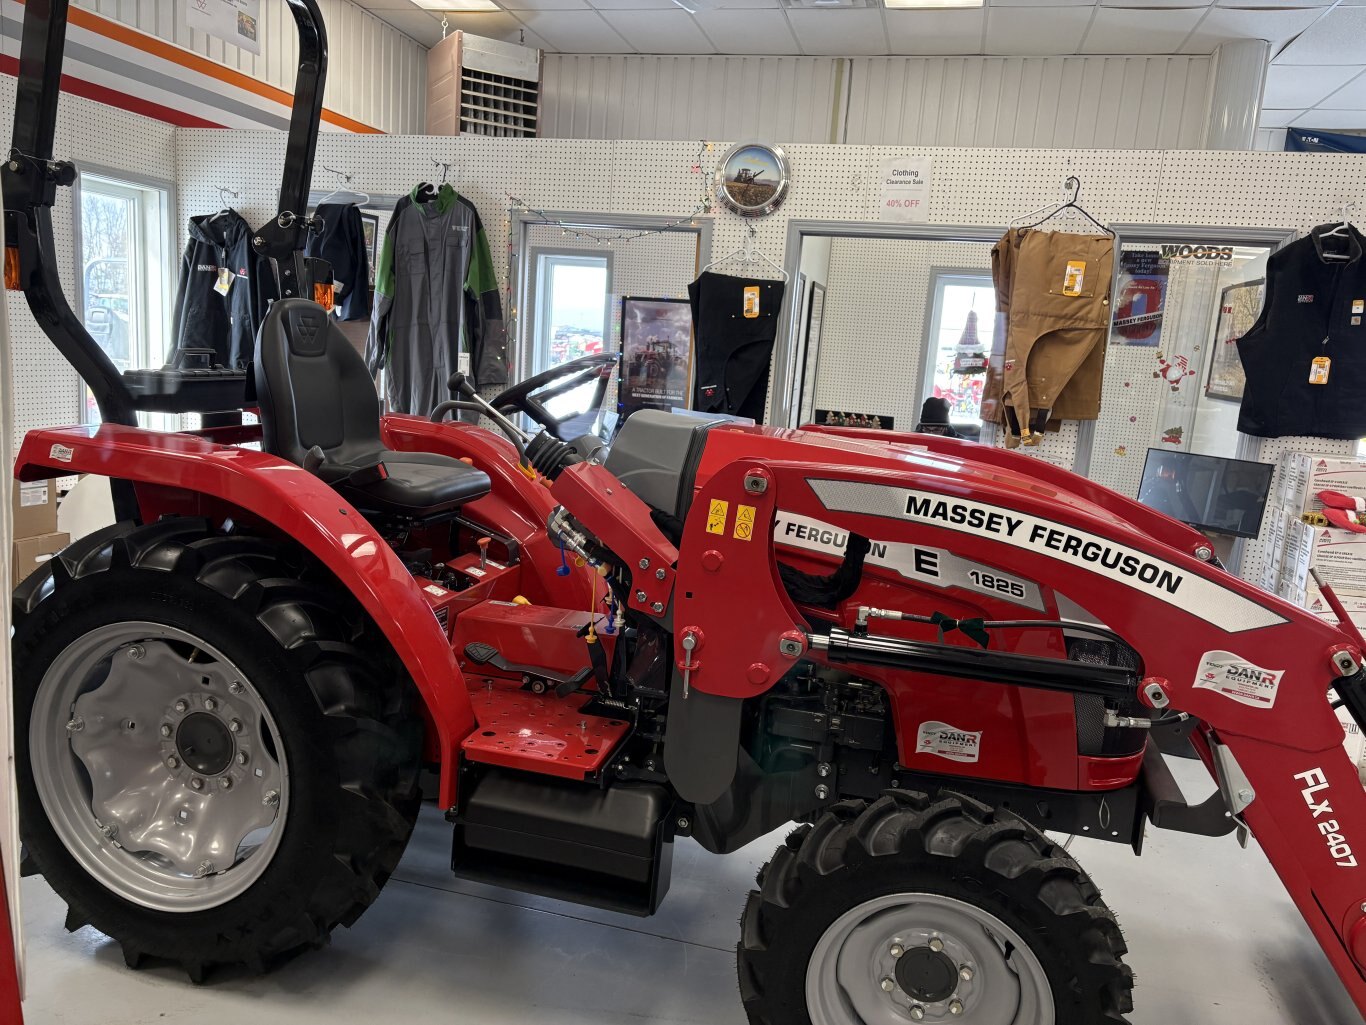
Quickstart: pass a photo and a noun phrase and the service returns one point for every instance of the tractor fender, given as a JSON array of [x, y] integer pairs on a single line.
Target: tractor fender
[[186, 475]]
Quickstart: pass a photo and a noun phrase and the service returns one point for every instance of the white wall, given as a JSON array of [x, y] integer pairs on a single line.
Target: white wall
[[1082, 102], [46, 391], [376, 74]]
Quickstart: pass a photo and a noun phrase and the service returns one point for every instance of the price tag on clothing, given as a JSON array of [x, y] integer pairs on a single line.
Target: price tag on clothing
[[225, 279], [1318, 370], [751, 301], [1074, 278]]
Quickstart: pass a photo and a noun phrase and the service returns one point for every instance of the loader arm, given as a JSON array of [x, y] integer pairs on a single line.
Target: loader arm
[[1254, 669]]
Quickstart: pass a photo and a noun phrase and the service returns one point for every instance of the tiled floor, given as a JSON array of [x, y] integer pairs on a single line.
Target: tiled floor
[[1213, 939]]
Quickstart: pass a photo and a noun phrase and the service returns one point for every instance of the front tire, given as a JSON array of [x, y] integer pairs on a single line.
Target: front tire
[[923, 910], [217, 762]]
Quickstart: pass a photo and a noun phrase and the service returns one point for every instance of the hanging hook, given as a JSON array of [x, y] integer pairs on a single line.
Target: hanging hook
[[224, 191], [346, 178], [1073, 187]]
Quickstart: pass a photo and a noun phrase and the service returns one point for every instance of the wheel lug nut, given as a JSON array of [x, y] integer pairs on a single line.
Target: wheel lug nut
[[936, 944], [205, 869], [173, 762], [241, 758], [210, 704], [965, 973], [75, 725], [225, 782], [955, 1007], [136, 652], [196, 783], [917, 1012], [235, 726], [236, 687], [182, 705], [897, 950], [271, 798], [888, 984], [165, 729]]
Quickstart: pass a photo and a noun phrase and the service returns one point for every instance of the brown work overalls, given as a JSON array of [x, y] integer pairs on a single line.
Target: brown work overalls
[[1054, 289]]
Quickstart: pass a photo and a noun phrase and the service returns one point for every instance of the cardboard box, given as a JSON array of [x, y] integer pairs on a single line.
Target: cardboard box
[[1354, 602], [35, 508], [1354, 742], [28, 553], [1292, 481]]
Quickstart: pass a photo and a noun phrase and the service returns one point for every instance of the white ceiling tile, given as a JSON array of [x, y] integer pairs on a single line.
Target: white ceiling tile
[[574, 31], [1285, 3], [544, 5], [659, 31], [1277, 118], [1019, 31], [1331, 120], [1149, 4], [935, 33], [743, 5], [1277, 27], [1351, 96], [420, 25], [1122, 30], [1298, 85], [635, 5], [854, 33], [748, 31], [1046, 3], [1336, 38]]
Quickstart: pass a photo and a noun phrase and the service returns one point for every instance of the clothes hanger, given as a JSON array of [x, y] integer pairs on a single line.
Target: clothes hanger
[[223, 193], [1342, 231], [357, 198], [1072, 189], [748, 255]]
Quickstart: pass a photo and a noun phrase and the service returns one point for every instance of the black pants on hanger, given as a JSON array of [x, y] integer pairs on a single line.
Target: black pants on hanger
[[735, 321]]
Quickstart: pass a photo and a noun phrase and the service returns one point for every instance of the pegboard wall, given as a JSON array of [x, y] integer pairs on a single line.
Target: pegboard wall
[[45, 390], [977, 186]]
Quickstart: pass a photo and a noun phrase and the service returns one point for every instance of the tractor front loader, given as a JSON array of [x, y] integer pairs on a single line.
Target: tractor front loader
[[927, 654]]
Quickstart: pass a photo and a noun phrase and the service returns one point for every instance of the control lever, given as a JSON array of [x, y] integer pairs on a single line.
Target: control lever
[[458, 383], [483, 544]]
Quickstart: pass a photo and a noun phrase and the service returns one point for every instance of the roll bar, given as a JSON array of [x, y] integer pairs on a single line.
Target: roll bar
[[30, 179]]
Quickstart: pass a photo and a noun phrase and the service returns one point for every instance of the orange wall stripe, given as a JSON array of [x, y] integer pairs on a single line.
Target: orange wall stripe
[[157, 47]]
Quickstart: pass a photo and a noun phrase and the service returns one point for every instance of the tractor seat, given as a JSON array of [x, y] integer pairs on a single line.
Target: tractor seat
[[319, 410]]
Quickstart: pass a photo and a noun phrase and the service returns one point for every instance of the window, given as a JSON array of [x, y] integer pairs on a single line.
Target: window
[[571, 318], [123, 236], [962, 323]]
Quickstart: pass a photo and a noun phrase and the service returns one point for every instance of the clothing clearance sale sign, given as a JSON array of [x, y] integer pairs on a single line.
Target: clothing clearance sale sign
[[906, 189]]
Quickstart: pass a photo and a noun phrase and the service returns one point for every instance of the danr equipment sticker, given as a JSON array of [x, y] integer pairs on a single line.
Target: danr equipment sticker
[[1238, 679], [945, 741]]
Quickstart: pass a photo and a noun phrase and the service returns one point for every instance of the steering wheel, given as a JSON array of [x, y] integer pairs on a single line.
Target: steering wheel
[[531, 395]]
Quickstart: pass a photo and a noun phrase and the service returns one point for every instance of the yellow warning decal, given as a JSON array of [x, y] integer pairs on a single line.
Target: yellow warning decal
[[744, 522], [716, 516]]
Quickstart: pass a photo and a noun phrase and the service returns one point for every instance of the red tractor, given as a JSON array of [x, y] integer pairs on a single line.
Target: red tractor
[[926, 652]]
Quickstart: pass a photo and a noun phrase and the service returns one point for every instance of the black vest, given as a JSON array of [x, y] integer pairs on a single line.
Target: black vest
[[1314, 307]]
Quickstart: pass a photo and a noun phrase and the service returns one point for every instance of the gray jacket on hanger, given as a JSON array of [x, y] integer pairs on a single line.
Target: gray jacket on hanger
[[436, 298]]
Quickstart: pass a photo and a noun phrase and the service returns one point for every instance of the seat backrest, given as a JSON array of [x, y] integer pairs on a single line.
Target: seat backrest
[[314, 389]]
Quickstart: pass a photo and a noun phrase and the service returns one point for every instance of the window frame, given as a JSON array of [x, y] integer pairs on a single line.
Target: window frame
[[539, 259], [940, 277], [154, 275]]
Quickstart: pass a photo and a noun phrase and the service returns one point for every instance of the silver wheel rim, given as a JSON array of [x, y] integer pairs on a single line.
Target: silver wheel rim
[[976, 968], [159, 766]]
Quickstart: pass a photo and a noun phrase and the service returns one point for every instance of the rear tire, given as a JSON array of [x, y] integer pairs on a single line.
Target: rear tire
[[291, 693], [873, 912]]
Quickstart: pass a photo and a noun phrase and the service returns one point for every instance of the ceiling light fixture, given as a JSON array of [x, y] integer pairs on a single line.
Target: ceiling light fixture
[[458, 6], [680, 3], [930, 5]]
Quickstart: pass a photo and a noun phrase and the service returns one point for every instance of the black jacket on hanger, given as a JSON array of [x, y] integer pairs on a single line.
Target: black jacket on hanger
[[735, 321], [219, 303], [1315, 307], [342, 244]]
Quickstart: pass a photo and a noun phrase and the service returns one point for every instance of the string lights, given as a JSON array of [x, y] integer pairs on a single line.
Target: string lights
[[609, 237]]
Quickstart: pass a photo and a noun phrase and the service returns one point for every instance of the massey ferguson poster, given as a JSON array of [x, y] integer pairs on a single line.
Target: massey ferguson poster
[[1140, 298], [656, 354]]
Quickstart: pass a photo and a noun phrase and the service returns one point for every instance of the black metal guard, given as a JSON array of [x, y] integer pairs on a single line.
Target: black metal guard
[[30, 179]]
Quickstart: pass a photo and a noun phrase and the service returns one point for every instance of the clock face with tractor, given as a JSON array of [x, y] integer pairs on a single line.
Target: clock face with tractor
[[752, 179]]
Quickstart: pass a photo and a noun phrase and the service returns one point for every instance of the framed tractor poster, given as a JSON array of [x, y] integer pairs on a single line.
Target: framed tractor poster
[[656, 354]]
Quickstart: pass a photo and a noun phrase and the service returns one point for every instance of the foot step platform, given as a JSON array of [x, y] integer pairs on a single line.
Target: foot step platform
[[540, 732]]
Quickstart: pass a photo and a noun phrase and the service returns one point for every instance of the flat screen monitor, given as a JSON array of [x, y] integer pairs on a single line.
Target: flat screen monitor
[[1223, 496]]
